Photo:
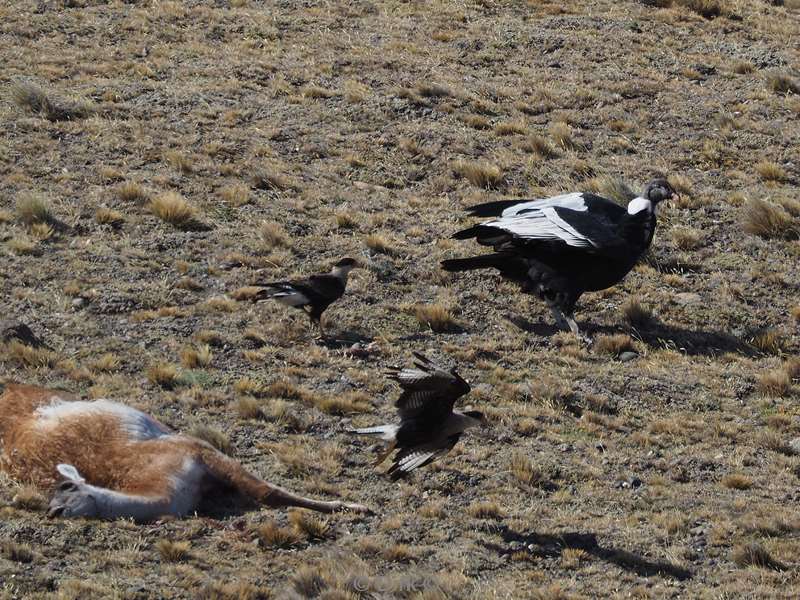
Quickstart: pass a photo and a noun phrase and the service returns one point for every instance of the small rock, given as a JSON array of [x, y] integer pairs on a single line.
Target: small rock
[[795, 445], [78, 303], [626, 356]]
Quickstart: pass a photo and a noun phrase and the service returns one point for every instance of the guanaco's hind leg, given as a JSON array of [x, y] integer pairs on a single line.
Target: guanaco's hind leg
[[233, 474]]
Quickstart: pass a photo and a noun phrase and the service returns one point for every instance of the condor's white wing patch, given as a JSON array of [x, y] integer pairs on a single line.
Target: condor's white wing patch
[[138, 425], [544, 224], [573, 201]]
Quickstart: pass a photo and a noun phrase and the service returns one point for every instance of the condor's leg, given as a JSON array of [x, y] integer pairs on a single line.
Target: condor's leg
[[157, 478], [233, 474]]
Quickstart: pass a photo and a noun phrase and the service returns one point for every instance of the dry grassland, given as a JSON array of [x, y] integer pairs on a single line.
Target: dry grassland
[[158, 156]]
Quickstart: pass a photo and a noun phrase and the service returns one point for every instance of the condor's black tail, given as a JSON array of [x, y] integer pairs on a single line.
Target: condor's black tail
[[491, 209]]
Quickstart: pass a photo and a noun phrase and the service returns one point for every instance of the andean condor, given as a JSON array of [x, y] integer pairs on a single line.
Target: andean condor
[[558, 248]]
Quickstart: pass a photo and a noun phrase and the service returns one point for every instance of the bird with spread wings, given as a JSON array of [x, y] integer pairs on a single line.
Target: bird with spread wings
[[429, 427]]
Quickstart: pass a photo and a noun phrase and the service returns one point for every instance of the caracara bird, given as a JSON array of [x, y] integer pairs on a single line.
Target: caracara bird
[[429, 427], [558, 248], [312, 295], [110, 461]]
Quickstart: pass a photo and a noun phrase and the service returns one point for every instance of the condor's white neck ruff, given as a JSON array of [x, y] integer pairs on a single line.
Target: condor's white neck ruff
[[639, 204]]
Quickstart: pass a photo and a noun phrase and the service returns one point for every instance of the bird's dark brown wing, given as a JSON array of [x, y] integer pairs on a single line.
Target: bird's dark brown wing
[[408, 459], [429, 392]]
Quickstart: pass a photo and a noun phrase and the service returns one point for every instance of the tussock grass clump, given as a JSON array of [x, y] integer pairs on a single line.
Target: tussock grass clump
[[755, 555], [636, 313], [613, 345], [485, 510], [436, 316], [686, 238], [743, 67], [782, 83], [172, 208], [248, 292], [769, 220], [273, 235], [130, 191], [42, 231], [106, 363], [476, 121], [380, 243], [272, 535], [29, 497], [108, 216], [270, 179], [346, 220], [524, 470], [236, 194], [49, 106], [28, 356], [315, 92], [510, 128], [479, 174], [774, 441], [173, 551], [15, 552], [398, 553], [32, 209], [163, 375], [250, 387], [23, 246], [193, 358], [433, 90], [769, 341], [210, 337], [309, 525], [775, 383], [613, 188], [213, 436], [539, 146], [180, 162], [737, 481], [248, 407], [561, 133], [770, 171], [571, 558], [343, 404]]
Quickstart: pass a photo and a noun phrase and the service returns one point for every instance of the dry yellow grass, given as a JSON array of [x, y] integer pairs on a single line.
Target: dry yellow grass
[[172, 551], [769, 220], [289, 113], [172, 208], [770, 171], [437, 317], [483, 175], [273, 235]]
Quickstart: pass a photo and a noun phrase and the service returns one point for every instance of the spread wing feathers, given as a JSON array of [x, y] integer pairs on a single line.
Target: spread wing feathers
[[548, 224], [427, 389], [408, 459], [509, 208]]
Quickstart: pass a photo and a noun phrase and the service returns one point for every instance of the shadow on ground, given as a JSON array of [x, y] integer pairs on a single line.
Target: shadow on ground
[[551, 546]]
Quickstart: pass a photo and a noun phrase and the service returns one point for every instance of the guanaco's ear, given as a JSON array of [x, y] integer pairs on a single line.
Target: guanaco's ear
[[70, 472]]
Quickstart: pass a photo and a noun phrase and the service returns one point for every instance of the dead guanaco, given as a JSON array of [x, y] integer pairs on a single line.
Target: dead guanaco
[[108, 460]]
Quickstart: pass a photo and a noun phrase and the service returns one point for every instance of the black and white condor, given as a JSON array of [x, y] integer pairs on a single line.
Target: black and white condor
[[558, 248]]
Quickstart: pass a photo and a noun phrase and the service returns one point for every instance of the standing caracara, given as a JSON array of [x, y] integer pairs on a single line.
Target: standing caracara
[[558, 248], [429, 427], [314, 294]]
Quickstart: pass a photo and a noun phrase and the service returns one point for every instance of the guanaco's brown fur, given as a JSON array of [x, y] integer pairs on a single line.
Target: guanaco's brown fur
[[120, 462]]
